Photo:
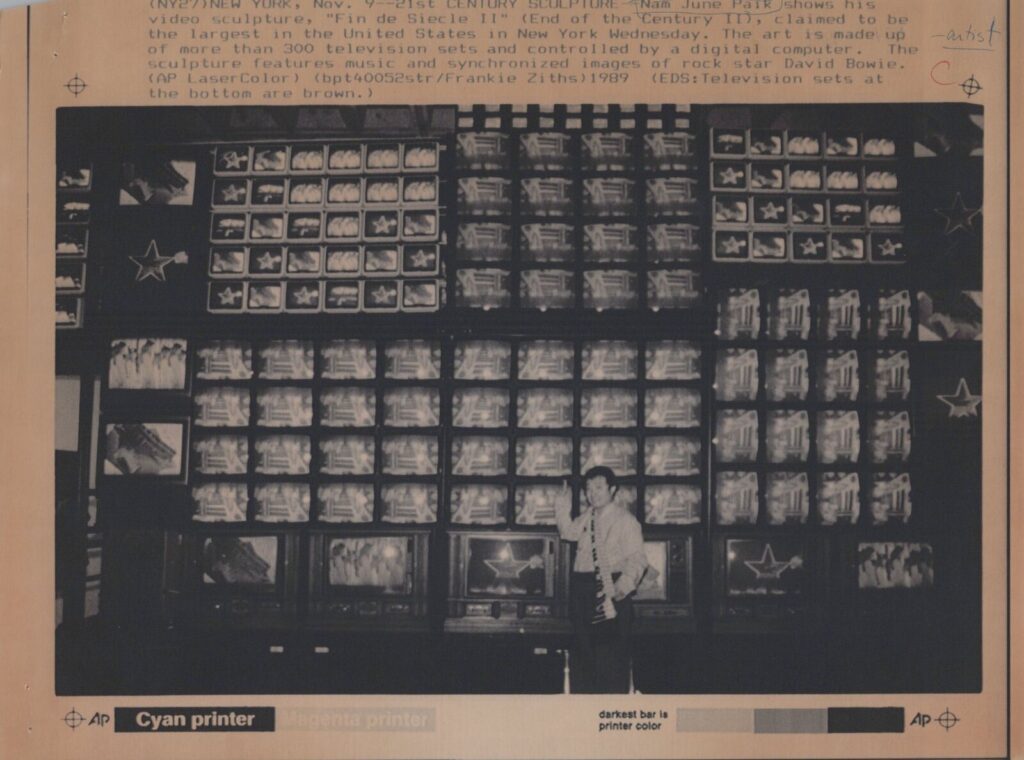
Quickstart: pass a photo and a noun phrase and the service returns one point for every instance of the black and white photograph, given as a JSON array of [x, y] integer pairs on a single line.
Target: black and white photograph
[[440, 400]]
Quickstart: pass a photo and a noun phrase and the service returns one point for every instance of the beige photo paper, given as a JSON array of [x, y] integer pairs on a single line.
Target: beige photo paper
[[508, 379]]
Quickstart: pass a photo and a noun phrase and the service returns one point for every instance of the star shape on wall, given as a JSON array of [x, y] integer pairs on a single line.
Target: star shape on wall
[[962, 403], [381, 295], [233, 193], [730, 176], [422, 259], [268, 261], [809, 247], [306, 296], [889, 248], [382, 225], [507, 567], [771, 211], [152, 264], [768, 568], [233, 159], [732, 245], [229, 296], [958, 216]]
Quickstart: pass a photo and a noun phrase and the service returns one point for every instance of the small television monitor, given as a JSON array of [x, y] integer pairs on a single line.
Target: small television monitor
[[663, 602], [762, 581], [366, 579], [237, 576], [895, 566], [507, 581]]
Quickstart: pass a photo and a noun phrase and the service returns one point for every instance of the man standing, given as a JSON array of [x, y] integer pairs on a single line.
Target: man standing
[[610, 562]]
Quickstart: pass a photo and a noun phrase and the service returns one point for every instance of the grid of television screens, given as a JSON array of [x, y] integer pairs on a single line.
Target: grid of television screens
[[528, 415], [343, 227], [812, 419], [806, 196], [569, 219], [783, 423], [356, 419], [74, 204]]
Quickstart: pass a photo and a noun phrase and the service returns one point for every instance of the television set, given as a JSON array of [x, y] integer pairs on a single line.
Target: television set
[[507, 582], [895, 566], [763, 582], [134, 449], [368, 580], [663, 602], [148, 364], [231, 576]]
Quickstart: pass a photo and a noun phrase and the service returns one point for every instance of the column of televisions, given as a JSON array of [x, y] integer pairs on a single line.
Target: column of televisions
[[74, 206], [560, 219], [344, 227], [812, 395]]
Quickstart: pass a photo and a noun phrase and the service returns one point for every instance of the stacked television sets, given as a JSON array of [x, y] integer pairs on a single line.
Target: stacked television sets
[[502, 582], [361, 579], [232, 577]]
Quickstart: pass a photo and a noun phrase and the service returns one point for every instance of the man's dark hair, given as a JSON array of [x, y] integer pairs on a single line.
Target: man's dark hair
[[600, 472]]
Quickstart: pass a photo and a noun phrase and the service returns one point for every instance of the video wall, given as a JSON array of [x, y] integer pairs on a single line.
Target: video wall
[[388, 342]]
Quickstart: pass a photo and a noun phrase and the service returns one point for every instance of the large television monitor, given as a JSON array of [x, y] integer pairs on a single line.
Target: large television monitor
[[511, 582], [235, 577], [368, 579], [898, 573], [763, 582], [663, 602]]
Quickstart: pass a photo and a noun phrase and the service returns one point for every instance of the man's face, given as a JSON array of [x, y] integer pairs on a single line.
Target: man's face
[[598, 493]]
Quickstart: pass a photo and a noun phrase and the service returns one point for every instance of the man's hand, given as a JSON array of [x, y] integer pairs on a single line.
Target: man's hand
[[563, 502]]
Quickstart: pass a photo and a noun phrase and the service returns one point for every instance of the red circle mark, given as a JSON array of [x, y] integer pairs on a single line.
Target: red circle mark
[[932, 73]]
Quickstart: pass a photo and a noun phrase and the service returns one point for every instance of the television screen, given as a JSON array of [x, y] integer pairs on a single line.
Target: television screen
[[620, 454], [346, 502], [284, 407], [547, 242], [221, 454], [672, 504], [478, 504], [480, 407], [672, 360], [412, 407], [224, 360], [409, 503], [282, 502], [283, 455], [765, 567], [220, 502], [608, 407], [545, 408], [413, 360], [508, 566], [482, 360], [895, 565], [147, 364], [145, 449], [546, 360], [240, 561], [349, 360], [287, 360], [370, 564], [609, 360], [654, 584], [221, 407]]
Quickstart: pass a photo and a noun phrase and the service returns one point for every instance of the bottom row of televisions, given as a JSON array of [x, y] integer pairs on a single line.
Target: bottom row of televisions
[[510, 581]]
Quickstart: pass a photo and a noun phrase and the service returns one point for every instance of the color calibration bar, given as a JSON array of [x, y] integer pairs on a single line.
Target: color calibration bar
[[832, 720]]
